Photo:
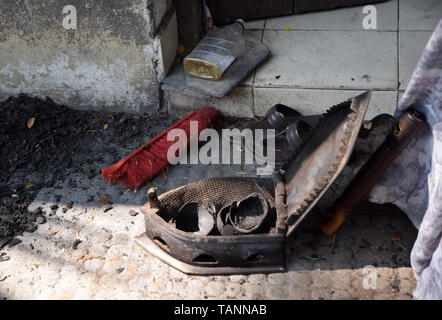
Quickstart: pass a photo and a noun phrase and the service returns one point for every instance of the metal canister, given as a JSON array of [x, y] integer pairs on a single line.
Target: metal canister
[[216, 52]]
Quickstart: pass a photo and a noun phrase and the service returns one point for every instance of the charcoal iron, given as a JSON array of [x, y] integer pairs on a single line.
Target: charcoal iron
[[291, 195]]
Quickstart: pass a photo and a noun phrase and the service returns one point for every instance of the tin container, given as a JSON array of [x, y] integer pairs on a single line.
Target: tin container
[[216, 52]]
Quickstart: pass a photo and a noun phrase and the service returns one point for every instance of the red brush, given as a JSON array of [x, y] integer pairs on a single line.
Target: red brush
[[151, 159]]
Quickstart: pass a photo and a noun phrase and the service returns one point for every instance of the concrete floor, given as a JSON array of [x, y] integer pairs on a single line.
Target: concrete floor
[[108, 264], [374, 245], [318, 59]]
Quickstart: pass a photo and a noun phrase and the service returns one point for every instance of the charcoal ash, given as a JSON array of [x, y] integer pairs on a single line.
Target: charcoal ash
[[15, 219], [43, 144]]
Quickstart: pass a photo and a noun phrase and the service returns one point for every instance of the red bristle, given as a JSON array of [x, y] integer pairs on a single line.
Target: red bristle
[[146, 163]]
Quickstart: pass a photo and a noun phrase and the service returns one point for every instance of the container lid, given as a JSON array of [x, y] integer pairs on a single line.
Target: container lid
[[323, 158]]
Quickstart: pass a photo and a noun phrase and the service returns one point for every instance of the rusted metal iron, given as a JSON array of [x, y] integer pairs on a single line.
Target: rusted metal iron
[[248, 253], [408, 125], [323, 158], [290, 197]]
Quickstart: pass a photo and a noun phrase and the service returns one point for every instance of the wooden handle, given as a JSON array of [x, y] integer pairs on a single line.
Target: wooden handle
[[331, 226]]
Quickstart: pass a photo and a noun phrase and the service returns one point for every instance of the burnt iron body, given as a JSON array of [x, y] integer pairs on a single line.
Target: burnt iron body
[[290, 196]]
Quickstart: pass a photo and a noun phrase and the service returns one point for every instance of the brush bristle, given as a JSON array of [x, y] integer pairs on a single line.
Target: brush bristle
[[151, 159]]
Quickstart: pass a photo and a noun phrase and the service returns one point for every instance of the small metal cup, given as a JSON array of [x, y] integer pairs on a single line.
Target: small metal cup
[[249, 214], [194, 217]]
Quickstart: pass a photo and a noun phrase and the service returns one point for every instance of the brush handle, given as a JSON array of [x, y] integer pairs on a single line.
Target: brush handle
[[408, 125]]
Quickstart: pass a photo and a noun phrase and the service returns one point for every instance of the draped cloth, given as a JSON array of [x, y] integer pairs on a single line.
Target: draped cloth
[[414, 181]]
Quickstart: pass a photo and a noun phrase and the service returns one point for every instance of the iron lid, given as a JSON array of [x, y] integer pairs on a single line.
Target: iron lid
[[322, 159]]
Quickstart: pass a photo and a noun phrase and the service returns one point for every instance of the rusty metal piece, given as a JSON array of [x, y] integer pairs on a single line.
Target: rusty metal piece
[[408, 125], [212, 254], [323, 158], [280, 204], [250, 215], [150, 246]]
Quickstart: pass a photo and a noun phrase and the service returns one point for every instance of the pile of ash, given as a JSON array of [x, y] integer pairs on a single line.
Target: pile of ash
[[42, 143]]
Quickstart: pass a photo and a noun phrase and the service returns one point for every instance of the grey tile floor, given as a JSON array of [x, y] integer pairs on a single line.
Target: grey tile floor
[[318, 59]]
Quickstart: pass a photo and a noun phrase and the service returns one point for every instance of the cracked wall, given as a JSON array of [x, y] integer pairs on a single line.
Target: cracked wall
[[114, 60]]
